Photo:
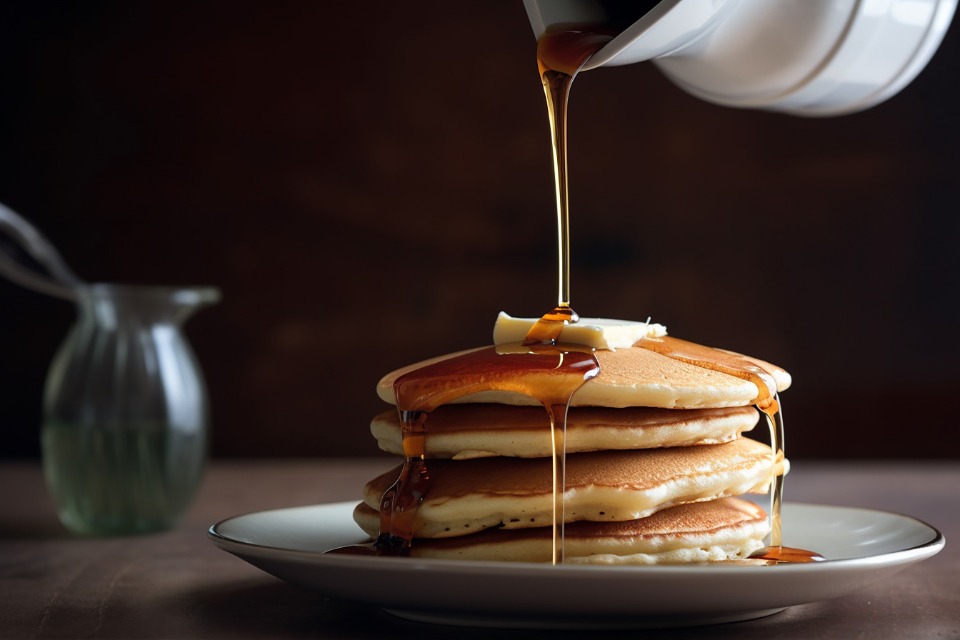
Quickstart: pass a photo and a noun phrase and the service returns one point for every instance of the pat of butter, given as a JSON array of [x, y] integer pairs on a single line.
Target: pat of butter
[[598, 333]]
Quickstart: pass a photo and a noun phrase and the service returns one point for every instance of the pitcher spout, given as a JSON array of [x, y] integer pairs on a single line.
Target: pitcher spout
[[115, 305], [645, 30], [190, 300]]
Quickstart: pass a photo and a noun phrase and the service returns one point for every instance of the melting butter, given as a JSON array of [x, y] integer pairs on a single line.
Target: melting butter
[[597, 333]]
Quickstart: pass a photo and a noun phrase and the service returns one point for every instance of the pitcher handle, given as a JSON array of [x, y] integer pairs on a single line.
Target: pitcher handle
[[61, 281]]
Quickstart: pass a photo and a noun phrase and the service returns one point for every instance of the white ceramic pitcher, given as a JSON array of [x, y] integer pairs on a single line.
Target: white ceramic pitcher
[[805, 57]]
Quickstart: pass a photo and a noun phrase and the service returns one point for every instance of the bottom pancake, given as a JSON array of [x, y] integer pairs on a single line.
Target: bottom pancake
[[726, 529]]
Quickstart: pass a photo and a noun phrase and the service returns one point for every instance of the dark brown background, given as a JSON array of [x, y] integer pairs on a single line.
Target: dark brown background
[[370, 183]]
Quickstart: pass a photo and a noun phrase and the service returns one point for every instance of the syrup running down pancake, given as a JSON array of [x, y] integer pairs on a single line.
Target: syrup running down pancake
[[632, 377]]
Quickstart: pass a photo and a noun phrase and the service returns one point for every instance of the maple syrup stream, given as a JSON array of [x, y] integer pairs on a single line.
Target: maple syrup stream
[[540, 368], [560, 55]]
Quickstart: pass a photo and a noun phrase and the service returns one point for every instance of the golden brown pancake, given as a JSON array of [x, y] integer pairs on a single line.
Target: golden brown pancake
[[465, 431], [633, 377], [718, 530], [468, 496]]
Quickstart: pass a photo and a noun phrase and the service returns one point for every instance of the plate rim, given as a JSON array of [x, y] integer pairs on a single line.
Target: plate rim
[[915, 553]]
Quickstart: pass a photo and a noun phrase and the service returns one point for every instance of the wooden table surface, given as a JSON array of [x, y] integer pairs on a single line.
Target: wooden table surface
[[178, 585]]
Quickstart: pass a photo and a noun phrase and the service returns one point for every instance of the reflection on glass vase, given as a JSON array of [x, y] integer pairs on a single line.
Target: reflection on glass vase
[[126, 413]]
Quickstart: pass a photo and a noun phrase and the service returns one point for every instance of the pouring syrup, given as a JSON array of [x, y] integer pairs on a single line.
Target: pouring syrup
[[544, 368]]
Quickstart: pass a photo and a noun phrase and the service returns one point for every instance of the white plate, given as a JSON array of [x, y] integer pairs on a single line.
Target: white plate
[[860, 547]]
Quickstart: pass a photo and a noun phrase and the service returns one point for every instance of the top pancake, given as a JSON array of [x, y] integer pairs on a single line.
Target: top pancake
[[632, 377]]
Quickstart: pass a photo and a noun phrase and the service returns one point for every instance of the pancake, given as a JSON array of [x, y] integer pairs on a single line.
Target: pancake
[[466, 431], [468, 496], [632, 377], [725, 529]]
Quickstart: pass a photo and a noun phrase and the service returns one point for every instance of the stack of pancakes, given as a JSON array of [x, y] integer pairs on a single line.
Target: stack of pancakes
[[655, 460]]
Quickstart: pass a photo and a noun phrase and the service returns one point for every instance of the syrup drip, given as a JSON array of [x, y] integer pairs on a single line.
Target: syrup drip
[[767, 402], [550, 374], [546, 332], [547, 329], [786, 555]]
